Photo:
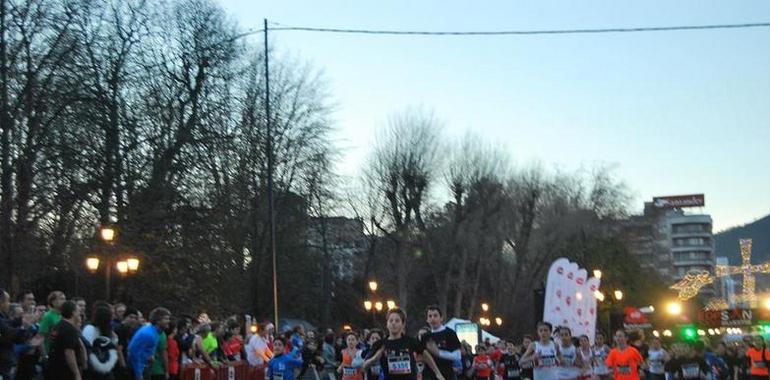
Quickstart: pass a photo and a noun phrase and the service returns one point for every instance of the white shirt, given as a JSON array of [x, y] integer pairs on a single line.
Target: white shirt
[[254, 350]]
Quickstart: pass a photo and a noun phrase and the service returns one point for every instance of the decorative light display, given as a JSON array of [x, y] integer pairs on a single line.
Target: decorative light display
[[716, 304], [691, 284]]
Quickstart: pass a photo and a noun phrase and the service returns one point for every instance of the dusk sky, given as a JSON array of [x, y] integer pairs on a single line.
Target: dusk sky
[[676, 112]]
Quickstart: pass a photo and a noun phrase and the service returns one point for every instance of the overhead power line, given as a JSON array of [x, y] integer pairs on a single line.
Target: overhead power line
[[521, 32]]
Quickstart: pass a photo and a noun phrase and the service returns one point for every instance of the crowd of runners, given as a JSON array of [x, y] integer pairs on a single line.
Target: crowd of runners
[[67, 339]]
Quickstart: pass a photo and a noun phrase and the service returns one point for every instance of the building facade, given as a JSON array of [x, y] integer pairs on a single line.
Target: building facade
[[672, 242]]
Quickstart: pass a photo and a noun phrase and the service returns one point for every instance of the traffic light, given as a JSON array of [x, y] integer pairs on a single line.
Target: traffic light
[[689, 333]]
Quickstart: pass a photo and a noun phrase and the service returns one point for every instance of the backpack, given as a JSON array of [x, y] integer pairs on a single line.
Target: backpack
[[102, 355]]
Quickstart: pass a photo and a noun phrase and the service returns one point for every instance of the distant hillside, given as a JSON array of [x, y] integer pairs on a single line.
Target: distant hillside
[[726, 244]]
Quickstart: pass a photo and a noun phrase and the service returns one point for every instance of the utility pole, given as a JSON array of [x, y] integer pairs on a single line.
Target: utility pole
[[270, 200]]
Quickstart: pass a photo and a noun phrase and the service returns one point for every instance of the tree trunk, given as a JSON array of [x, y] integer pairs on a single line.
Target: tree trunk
[[6, 180]]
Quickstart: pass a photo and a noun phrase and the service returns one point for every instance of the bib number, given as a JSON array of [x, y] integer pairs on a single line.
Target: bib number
[[348, 371], [759, 364], [278, 376], [548, 361], [399, 365], [376, 369], [513, 373], [624, 370], [690, 372]]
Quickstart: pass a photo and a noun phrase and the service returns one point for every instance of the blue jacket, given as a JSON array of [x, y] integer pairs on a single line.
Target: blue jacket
[[142, 348], [283, 365]]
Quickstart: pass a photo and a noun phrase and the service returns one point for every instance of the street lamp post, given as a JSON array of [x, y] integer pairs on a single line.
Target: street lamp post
[[107, 235], [615, 299], [375, 305]]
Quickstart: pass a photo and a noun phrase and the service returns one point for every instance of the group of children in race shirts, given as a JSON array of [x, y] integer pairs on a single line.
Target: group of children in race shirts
[[437, 354]]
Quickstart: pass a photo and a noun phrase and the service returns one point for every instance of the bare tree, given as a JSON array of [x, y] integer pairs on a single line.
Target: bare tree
[[403, 166]]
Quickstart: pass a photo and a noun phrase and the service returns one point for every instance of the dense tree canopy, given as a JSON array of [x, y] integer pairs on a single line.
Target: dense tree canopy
[[150, 115]]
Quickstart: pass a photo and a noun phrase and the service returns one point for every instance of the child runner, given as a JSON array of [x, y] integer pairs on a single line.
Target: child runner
[[482, 364], [624, 360], [282, 365], [396, 353], [542, 354], [586, 356], [656, 361], [511, 370], [569, 362], [601, 350], [348, 354]]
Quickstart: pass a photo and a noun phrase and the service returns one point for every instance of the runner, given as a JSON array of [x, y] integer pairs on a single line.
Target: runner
[[656, 361], [601, 350], [586, 356], [543, 355], [482, 364], [624, 360], [691, 365], [526, 367], [759, 356], [372, 373], [346, 369], [282, 365], [442, 343], [569, 362], [509, 363], [396, 354]]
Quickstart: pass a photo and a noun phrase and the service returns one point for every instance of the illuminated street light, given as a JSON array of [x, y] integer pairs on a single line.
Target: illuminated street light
[[346, 328], [655, 333], [598, 274], [667, 333], [599, 295], [107, 234], [378, 306], [373, 286], [122, 267], [499, 321], [92, 263], [391, 304], [485, 306], [674, 308], [368, 305], [618, 295], [133, 264], [767, 303]]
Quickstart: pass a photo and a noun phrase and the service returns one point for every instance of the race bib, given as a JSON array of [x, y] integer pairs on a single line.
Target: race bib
[[624, 369], [278, 376], [376, 369], [690, 372], [512, 373], [348, 371], [759, 364], [399, 365], [547, 361]]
